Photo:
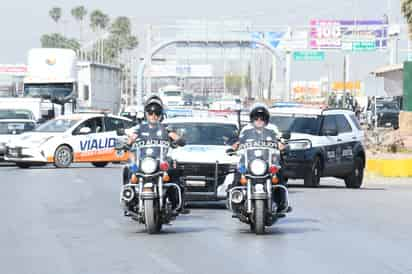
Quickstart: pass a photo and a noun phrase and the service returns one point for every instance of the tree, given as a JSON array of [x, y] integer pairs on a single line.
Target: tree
[[121, 34], [234, 83], [406, 7], [79, 13], [56, 40], [99, 20], [55, 13]]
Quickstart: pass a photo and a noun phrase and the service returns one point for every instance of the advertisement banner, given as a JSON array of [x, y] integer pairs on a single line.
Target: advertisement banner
[[13, 69], [306, 89], [336, 34], [282, 39]]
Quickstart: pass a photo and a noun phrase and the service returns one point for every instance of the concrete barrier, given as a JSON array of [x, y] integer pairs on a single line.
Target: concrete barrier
[[390, 167]]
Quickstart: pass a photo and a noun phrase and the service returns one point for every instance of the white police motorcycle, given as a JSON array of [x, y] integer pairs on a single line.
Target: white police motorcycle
[[147, 194], [260, 198]]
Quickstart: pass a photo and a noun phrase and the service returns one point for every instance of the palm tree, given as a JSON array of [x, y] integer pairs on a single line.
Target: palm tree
[[406, 7], [55, 13], [99, 20], [79, 13]]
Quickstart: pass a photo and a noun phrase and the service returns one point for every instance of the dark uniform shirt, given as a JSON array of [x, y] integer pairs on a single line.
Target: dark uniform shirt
[[145, 131], [250, 134]]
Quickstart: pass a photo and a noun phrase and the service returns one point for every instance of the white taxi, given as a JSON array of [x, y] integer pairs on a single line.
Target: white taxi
[[10, 128], [74, 138]]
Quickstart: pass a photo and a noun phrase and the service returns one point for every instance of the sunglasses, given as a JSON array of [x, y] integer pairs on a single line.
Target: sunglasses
[[150, 113], [258, 118]]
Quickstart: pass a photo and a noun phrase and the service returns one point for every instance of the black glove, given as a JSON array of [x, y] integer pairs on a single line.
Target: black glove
[[230, 151], [180, 142]]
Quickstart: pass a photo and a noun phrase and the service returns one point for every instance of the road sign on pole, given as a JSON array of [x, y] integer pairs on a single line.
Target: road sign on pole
[[309, 56], [364, 46]]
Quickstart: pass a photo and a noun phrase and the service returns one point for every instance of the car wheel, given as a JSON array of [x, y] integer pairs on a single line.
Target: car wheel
[[23, 165], [355, 179], [312, 178], [100, 164], [63, 157]]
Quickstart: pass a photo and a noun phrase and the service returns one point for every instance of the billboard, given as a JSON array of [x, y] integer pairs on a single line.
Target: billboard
[[13, 69], [336, 34], [283, 39], [306, 89]]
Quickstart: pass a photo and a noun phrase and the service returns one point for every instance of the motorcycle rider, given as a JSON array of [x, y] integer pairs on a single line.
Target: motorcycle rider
[[153, 129], [259, 129]]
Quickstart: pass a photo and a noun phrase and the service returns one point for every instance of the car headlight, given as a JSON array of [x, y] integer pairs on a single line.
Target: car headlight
[[300, 145], [258, 167], [149, 165]]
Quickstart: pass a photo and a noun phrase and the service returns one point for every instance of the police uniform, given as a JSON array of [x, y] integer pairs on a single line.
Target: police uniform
[[147, 131], [252, 134]]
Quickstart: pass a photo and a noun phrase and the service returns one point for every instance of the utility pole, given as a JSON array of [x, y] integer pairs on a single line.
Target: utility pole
[[288, 64], [148, 59], [344, 82]]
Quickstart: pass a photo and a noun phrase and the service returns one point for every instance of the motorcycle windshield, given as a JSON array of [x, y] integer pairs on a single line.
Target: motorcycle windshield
[[153, 148], [263, 150]]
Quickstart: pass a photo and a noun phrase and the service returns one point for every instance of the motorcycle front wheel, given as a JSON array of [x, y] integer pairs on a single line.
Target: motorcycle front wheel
[[152, 216], [259, 215]]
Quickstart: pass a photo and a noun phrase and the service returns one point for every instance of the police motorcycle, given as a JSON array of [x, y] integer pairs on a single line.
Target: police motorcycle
[[260, 195], [148, 196]]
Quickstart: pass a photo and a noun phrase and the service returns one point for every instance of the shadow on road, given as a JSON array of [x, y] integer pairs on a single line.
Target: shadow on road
[[294, 220], [170, 230], [276, 230], [207, 205]]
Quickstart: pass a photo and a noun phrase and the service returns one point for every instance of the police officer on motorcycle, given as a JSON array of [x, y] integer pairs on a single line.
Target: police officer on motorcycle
[[259, 129], [152, 128]]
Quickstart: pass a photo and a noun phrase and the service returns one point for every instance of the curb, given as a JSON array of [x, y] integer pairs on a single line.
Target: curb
[[390, 167]]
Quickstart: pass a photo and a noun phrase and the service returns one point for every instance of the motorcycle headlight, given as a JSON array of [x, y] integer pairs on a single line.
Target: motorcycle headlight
[[258, 167], [149, 165], [300, 145]]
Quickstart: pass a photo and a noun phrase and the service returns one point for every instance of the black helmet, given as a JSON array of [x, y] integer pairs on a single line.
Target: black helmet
[[154, 105], [259, 110]]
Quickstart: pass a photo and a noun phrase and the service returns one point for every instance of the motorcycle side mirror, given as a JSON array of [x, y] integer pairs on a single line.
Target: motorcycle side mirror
[[120, 132]]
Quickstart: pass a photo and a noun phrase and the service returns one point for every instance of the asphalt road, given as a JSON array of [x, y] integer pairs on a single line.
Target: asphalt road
[[69, 221]]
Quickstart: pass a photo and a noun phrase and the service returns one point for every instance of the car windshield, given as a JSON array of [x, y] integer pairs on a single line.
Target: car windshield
[[57, 125], [172, 93], [48, 90], [390, 106], [297, 124], [9, 127], [16, 114], [205, 133]]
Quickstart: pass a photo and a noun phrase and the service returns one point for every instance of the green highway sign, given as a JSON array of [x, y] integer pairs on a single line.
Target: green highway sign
[[308, 56], [364, 46]]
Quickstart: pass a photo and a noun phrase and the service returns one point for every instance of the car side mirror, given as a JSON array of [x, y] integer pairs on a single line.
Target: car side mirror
[[330, 132], [85, 130], [120, 132], [285, 135]]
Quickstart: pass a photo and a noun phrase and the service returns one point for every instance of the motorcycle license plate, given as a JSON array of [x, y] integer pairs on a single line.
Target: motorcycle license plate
[[196, 183]]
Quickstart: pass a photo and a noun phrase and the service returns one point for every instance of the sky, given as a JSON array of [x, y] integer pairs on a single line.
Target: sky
[[23, 22]]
